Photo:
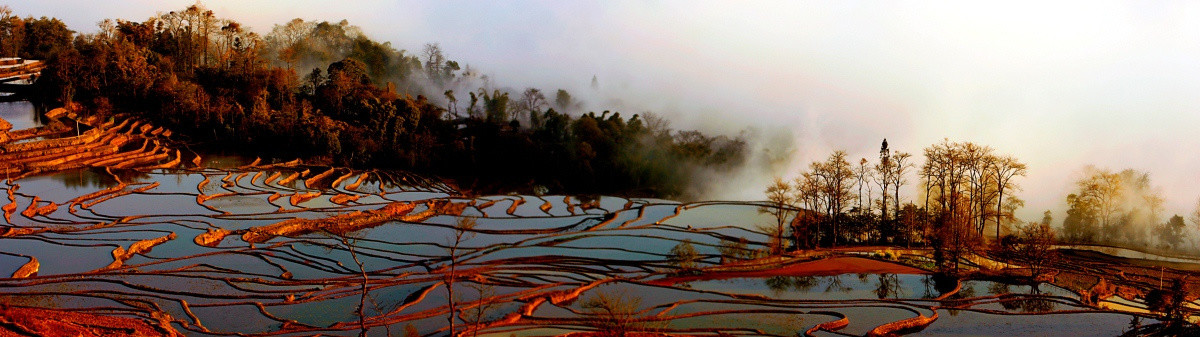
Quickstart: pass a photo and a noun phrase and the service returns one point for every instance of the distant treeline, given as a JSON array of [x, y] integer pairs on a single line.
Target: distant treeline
[[325, 92], [964, 203]]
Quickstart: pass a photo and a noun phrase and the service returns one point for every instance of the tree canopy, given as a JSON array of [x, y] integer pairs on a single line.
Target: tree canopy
[[359, 103]]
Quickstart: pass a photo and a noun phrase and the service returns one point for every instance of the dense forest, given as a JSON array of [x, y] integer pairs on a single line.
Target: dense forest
[[325, 92]]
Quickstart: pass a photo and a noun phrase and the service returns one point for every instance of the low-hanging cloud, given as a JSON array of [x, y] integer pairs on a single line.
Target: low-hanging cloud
[[1057, 86]]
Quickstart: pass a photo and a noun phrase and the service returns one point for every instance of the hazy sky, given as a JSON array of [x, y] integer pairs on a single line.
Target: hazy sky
[[1060, 86]]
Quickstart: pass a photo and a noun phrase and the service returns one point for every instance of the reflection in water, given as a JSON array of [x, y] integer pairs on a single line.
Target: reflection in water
[[837, 284], [1036, 303], [929, 286], [944, 283], [780, 284], [97, 178], [888, 286], [23, 114], [519, 265]]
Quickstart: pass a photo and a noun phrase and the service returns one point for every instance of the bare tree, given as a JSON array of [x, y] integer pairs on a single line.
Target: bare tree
[[531, 103], [781, 204], [614, 313], [808, 196], [975, 160], [1036, 247], [464, 230], [834, 175], [434, 61], [362, 300], [900, 166], [1103, 188], [451, 102], [656, 124], [1004, 169], [864, 173], [484, 304], [948, 187]]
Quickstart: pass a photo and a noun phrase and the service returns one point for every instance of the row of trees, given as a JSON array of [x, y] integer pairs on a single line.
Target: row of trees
[[1122, 208], [965, 195], [228, 88], [966, 188]]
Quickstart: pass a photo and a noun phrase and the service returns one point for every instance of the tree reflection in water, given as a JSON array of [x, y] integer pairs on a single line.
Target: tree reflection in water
[[97, 178], [1033, 302], [888, 286], [780, 284]]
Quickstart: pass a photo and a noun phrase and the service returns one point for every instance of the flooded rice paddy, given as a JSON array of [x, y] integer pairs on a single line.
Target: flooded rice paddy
[[128, 245], [228, 246]]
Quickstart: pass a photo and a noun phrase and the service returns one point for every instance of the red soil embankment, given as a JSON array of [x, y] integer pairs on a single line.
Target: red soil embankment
[[120, 254], [26, 321], [28, 269], [105, 145], [339, 224]]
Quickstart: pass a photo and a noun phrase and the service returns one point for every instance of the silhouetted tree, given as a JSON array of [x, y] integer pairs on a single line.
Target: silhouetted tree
[[781, 204], [1036, 247], [834, 176], [883, 176], [464, 229], [1004, 169], [863, 173], [1171, 233], [614, 313]]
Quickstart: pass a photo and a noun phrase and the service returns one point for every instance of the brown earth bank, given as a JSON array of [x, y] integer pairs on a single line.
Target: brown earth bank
[[70, 141], [26, 321]]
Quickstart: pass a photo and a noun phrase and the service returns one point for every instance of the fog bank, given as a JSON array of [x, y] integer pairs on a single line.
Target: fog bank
[[1057, 86]]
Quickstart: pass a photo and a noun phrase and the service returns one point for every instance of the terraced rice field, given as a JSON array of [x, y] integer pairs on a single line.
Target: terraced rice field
[[117, 227]]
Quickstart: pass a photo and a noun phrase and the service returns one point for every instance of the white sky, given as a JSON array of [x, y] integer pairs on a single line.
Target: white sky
[[1059, 86]]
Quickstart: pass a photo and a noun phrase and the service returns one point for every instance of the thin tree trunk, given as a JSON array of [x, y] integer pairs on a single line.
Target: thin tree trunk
[[999, 213], [450, 288], [362, 300]]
